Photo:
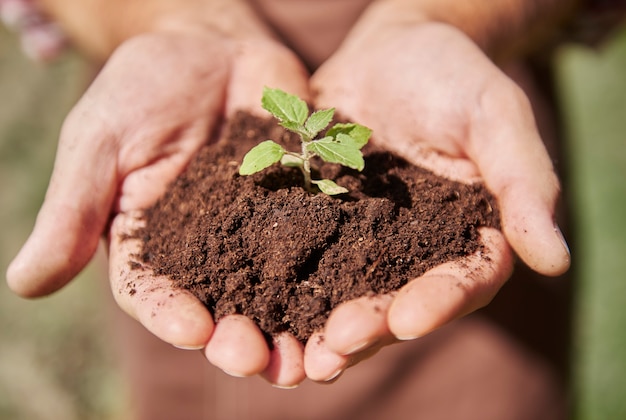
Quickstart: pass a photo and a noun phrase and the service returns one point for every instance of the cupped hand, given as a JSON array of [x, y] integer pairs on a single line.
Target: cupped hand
[[431, 95], [158, 99]]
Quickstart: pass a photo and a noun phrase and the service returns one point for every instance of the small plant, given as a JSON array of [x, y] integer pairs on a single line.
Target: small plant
[[342, 143]]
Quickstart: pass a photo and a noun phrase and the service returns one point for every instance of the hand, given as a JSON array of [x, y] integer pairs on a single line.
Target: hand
[[158, 99], [432, 96]]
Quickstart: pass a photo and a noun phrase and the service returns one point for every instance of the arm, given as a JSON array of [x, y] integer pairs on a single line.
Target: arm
[[98, 27], [500, 28]]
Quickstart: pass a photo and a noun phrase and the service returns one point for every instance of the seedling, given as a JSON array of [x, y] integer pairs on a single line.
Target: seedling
[[342, 143]]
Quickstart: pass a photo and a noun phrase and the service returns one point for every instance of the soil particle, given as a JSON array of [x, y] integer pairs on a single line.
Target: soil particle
[[263, 247]]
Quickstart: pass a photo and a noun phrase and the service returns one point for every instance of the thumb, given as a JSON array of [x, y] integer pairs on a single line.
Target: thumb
[[517, 168], [74, 213]]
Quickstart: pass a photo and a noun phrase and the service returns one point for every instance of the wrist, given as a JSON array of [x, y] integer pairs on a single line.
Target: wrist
[[98, 27], [232, 19], [499, 28]]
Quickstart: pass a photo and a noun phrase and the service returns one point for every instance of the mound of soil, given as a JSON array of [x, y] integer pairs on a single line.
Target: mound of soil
[[263, 247]]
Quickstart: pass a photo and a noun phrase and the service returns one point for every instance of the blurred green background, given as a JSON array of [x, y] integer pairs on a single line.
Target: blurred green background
[[593, 94], [56, 359]]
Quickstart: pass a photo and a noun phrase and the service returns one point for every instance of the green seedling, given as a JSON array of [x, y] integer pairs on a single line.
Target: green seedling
[[342, 143]]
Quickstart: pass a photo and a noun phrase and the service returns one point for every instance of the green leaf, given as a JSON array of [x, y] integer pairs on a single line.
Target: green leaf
[[329, 187], [296, 128], [318, 121], [348, 140], [284, 106], [261, 156], [359, 133], [291, 161], [346, 154]]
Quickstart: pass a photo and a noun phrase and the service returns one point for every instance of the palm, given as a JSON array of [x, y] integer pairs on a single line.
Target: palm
[[431, 95], [171, 127], [164, 110], [156, 102]]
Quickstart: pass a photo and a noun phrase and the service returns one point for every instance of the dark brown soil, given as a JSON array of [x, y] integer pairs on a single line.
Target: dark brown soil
[[263, 247]]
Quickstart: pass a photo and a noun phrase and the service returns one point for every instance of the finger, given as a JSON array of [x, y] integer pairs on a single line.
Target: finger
[[451, 290], [238, 347], [259, 64], [172, 314], [358, 324], [286, 366], [73, 215], [320, 363], [517, 169]]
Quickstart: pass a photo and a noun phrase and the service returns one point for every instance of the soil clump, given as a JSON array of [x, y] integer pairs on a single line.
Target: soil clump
[[263, 247]]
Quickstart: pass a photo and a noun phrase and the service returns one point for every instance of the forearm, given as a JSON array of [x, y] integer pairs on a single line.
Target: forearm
[[499, 27], [97, 27]]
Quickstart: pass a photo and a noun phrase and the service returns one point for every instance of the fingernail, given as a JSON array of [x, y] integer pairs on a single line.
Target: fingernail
[[361, 346], [234, 374], [407, 337], [559, 234], [285, 386], [334, 376], [182, 347]]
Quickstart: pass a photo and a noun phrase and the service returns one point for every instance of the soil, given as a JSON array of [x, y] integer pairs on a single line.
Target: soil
[[264, 247]]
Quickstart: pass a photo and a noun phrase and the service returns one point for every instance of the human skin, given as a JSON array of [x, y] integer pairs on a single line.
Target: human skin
[[455, 112], [131, 133], [450, 109]]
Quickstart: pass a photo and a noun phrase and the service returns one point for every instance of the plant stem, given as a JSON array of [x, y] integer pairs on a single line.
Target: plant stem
[[306, 165]]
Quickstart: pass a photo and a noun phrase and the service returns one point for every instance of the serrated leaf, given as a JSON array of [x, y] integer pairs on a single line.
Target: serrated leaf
[[318, 121], [329, 187], [261, 156], [359, 133], [332, 151], [296, 128], [284, 106]]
